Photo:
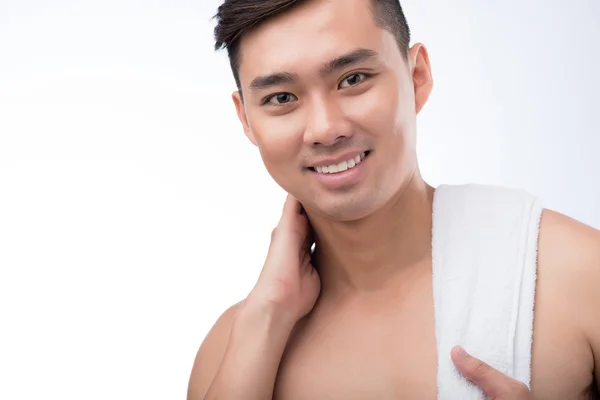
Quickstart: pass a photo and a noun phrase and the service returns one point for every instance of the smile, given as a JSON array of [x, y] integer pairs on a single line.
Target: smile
[[341, 167]]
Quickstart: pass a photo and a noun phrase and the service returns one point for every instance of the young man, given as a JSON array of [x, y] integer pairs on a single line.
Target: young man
[[329, 91]]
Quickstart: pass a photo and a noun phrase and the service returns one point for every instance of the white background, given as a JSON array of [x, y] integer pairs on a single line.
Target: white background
[[133, 210]]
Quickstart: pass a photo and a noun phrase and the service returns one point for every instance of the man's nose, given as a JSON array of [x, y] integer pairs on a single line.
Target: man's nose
[[326, 124]]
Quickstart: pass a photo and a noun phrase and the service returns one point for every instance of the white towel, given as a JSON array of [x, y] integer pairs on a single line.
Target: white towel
[[484, 272]]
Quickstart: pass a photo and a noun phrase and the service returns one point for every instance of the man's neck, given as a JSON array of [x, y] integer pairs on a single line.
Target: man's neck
[[369, 254]]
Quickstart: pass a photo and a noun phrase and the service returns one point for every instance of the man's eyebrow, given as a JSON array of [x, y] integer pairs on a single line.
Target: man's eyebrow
[[354, 57], [280, 78], [266, 81]]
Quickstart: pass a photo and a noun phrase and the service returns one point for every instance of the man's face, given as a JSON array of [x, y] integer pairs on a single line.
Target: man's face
[[331, 104]]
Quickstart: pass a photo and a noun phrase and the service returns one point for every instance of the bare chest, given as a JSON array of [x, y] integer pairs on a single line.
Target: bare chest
[[385, 353]]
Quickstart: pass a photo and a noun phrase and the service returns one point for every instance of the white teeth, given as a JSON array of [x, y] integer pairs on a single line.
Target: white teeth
[[343, 166]]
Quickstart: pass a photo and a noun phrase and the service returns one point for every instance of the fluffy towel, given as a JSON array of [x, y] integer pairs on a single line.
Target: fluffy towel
[[484, 270]]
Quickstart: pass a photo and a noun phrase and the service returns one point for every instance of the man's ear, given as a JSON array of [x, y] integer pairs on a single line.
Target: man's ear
[[421, 74], [241, 113]]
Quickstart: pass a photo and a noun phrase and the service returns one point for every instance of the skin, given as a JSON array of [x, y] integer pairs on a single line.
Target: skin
[[372, 267]]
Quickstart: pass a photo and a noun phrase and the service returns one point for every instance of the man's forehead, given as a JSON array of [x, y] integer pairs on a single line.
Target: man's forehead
[[307, 38]]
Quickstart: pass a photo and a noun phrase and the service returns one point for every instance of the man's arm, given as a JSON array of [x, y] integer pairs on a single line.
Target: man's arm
[[574, 248], [240, 356], [210, 355]]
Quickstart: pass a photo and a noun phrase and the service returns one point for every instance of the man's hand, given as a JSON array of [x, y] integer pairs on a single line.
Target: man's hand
[[495, 384], [288, 283]]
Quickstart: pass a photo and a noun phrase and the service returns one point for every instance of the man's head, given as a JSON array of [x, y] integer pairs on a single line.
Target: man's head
[[324, 81]]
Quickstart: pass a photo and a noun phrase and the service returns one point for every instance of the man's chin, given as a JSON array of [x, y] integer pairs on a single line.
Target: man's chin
[[341, 211]]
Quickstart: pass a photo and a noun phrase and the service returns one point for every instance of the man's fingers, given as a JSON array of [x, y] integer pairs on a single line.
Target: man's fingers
[[291, 208], [494, 383], [293, 215], [293, 224]]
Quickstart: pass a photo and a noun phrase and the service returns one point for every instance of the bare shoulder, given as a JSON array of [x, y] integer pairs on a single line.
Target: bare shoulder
[[570, 249], [559, 229], [210, 354], [567, 310]]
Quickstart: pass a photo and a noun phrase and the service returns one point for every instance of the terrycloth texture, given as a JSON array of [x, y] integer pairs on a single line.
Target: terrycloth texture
[[484, 271]]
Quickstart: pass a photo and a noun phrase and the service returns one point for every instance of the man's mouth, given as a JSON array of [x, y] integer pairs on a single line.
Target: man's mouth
[[341, 167]]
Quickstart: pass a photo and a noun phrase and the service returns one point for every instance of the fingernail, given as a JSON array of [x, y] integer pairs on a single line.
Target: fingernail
[[460, 352]]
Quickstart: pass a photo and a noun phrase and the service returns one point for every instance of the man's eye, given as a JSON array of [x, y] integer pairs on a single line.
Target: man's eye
[[280, 99], [353, 80]]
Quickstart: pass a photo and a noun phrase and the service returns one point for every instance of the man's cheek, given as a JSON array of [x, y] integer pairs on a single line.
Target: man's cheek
[[280, 165]]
